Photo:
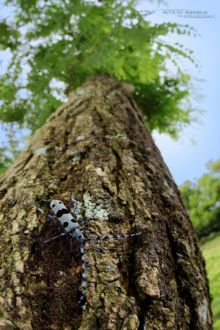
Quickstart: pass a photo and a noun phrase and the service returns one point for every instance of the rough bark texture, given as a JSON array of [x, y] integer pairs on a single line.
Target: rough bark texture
[[96, 146]]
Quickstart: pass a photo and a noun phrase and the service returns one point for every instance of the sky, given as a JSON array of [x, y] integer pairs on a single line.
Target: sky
[[185, 159]]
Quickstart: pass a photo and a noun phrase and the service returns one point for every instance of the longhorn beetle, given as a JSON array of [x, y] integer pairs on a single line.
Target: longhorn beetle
[[72, 228]]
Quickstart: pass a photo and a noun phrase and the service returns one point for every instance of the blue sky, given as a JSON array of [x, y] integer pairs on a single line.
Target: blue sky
[[185, 159]]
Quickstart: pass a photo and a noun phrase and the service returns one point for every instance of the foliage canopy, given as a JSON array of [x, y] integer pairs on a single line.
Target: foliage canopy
[[202, 199], [55, 45]]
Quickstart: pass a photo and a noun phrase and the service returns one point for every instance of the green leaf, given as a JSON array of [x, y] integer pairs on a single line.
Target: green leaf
[[71, 40]]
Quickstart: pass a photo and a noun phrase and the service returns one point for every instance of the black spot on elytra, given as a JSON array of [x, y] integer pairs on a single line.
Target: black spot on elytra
[[65, 224], [81, 299], [62, 212]]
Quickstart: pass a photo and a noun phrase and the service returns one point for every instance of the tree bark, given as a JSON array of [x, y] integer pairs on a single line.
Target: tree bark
[[97, 147]]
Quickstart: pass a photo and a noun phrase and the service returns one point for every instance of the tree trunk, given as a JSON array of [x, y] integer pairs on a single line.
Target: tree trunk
[[97, 147]]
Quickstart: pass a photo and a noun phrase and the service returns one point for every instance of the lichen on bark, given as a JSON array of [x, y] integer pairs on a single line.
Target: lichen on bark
[[97, 147]]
